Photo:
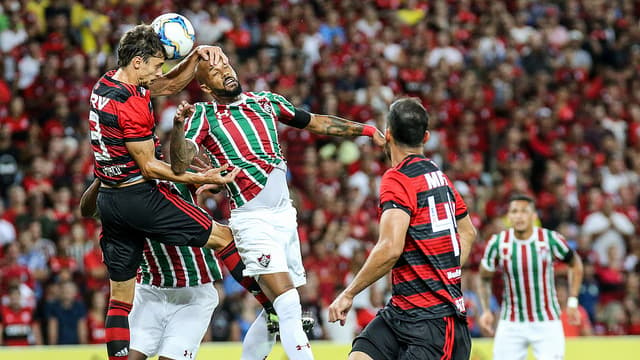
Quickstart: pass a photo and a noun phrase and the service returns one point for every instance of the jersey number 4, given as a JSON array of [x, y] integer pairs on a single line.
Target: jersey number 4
[[448, 222], [96, 135]]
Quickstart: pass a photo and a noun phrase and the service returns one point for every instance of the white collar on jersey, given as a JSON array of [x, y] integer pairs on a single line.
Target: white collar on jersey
[[241, 100]]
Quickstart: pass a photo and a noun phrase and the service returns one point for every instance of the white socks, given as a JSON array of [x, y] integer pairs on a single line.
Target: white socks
[[293, 338], [258, 342]]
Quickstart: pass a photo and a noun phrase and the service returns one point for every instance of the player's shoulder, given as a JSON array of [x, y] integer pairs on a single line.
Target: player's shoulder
[[503, 236], [108, 87], [271, 96]]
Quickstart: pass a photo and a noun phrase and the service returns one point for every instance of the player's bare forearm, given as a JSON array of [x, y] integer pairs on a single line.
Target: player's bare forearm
[[88, 207], [177, 78], [393, 228], [334, 125], [575, 275], [484, 288], [182, 151], [468, 234], [143, 153]]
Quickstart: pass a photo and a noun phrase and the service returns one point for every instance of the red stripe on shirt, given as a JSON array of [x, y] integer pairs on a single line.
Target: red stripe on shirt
[[525, 276]]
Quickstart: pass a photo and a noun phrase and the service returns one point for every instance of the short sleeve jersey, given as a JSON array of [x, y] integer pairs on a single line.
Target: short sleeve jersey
[[426, 278], [119, 113]]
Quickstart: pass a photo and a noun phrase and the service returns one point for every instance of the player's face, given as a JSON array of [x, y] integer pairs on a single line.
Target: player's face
[[521, 215], [149, 70], [223, 81]]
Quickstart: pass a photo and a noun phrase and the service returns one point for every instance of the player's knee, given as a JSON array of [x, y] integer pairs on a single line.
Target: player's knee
[[123, 290], [220, 237]]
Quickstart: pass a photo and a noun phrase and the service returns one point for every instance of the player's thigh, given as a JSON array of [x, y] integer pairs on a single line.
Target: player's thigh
[[146, 320], [288, 228], [510, 341], [121, 243], [432, 339], [377, 341], [548, 342], [167, 218], [188, 321], [259, 243]]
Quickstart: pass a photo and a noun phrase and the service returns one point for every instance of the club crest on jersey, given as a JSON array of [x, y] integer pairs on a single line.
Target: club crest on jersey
[[264, 260], [266, 106]]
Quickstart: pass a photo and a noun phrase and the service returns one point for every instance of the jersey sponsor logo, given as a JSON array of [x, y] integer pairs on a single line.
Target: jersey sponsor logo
[[113, 171], [264, 260], [459, 302], [99, 102], [454, 274]]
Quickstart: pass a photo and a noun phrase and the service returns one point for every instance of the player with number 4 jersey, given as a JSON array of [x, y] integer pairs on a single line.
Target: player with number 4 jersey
[[425, 236]]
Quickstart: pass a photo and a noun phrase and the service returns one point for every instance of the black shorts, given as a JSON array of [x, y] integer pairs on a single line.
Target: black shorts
[[434, 339], [146, 210]]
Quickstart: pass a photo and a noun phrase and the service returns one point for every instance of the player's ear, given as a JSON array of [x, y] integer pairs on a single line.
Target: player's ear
[[136, 62], [205, 88], [426, 137], [387, 135]]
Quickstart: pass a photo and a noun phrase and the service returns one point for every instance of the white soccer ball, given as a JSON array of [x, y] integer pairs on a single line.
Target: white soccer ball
[[176, 33]]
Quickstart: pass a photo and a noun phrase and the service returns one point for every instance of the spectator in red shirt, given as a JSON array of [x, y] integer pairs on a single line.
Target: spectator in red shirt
[[18, 327], [95, 317], [581, 329]]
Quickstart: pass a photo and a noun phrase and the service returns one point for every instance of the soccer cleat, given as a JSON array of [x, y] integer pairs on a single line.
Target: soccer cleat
[[273, 325]]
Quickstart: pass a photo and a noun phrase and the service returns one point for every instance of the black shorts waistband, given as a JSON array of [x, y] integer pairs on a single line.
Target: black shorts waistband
[[143, 186]]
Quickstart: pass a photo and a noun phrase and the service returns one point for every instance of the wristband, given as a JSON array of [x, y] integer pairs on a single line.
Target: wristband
[[572, 302], [369, 130]]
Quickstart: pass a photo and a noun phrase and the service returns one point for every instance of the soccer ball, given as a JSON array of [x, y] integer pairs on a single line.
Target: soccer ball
[[176, 33]]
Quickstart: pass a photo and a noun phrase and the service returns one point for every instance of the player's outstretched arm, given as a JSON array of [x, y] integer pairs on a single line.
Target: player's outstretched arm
[[468, 235], [393, 229], [181, 150], [181, 75], [88, 207], [143, 152], [337, 126]]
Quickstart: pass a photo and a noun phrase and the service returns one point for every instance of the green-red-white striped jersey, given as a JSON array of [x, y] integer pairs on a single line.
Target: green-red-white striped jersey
[[527, 267], [177, 266], [242, 134]]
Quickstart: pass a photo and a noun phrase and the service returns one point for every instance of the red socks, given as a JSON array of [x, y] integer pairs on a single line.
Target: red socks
[[117, 330]]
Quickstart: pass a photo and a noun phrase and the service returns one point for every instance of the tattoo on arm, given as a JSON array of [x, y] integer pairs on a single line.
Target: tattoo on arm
[[336, 126], [182, 151]]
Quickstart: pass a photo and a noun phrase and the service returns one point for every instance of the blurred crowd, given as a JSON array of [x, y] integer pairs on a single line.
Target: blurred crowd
[[537, 97]]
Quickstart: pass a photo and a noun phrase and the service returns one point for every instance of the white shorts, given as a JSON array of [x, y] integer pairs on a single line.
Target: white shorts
[[267, 241], [171, 322], [512, 340]]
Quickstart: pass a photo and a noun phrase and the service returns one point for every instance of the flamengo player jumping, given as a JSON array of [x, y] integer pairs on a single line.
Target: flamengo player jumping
[[530, 312], [240, 130], [174, 298], [425, 236], [126, 158]]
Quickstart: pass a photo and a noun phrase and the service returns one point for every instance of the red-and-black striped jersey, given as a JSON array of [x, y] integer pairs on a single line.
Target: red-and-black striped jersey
[[426, 277], [119, 113]]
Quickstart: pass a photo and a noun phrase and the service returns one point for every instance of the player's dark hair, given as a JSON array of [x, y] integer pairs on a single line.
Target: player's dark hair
[[523, 197], [408, 121], [141, 41]]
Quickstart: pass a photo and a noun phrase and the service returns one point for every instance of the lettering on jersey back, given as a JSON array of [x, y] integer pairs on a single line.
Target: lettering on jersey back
[[436, 179], [99, 102]]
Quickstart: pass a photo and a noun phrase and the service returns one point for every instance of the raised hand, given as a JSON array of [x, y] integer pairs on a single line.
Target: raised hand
[[183, 112], [378, 138], [213, 54]]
